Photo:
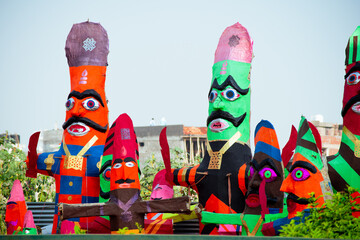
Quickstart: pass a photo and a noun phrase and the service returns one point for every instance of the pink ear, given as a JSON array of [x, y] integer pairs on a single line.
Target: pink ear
[[288, 149], [316, 134]]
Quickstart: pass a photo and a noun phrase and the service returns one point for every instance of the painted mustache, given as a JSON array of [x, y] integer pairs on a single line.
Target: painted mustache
[[349, 104], [86, 121], [297, 199], [121, 181], [227, 116]]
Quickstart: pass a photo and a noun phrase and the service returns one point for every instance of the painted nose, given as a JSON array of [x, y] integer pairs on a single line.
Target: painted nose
[[78, 110], [287, 185], [218, 104], [255, 181]]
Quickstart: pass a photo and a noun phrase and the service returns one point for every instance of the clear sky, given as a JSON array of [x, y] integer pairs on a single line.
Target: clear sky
[[161, 55]]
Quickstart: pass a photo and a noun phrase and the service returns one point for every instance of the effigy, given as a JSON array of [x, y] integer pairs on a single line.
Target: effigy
[[75, 166]]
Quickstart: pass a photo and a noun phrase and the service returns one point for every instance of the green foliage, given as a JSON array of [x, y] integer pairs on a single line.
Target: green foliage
[[153, 166], [13, 166], [333, 220], [123, 230], [139, 227]]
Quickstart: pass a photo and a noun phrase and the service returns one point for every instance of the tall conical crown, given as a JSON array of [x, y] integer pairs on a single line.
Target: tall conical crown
[[266, 140], [352, 50], [306, 144], [87, 44]]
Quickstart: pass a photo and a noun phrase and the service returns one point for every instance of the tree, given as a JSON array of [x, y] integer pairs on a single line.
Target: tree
[[153, 165], [13, 166]]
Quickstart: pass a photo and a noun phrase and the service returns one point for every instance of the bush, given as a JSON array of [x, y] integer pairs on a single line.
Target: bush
[[153, 166], [333, 220], [13, 166]]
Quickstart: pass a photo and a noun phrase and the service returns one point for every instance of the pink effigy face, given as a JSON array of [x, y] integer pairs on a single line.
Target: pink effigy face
[[235, 44], [351, 99]]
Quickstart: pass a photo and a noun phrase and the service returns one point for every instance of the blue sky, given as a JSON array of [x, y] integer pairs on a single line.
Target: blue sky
[[161, 54]]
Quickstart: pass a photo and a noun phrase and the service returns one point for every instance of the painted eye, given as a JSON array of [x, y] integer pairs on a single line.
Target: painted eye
[[353, 78], [300, 174], [251, 173], [107, 173], [268, 174], [129, 164], [118, 165], [230, 94], [91, 104], [212, 96], [69, 104]]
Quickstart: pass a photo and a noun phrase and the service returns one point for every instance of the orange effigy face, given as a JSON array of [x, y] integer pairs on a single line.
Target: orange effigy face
[[86, 106], [124, 174], [304, 178]]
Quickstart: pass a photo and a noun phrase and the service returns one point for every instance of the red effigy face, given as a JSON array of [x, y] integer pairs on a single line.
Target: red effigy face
[[351, 99], [12, 217], [304, 178]]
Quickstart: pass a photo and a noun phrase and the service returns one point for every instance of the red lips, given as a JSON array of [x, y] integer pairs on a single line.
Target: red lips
[[253, 200]]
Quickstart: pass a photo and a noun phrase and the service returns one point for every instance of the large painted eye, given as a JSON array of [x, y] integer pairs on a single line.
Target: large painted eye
[[129, 164], [353, 78], [69, 104], [300, 174], [118, 165], [91, 104], [268, 174], [107, 173], [230, 94], [212, 96]]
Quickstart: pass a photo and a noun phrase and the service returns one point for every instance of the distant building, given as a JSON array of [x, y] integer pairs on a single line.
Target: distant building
[[191, 140], [330, 136]]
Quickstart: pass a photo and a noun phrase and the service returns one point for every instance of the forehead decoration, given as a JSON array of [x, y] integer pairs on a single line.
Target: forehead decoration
[[87, 45]]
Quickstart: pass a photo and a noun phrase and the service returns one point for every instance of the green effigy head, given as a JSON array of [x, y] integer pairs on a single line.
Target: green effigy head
[[229, 95]]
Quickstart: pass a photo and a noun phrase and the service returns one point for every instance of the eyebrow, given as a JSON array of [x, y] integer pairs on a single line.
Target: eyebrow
[[85, 94], [129, 159], [267, 161], [118, 160], [303, 164], [229, 82]]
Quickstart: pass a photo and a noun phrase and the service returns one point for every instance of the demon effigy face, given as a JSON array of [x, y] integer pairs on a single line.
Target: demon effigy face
[[351, 99], [266, 166], [305, 175], [124, 168], [229, 95]]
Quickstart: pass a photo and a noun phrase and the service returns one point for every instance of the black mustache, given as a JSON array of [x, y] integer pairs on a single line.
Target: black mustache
[[120, 181], [349, 104], [86, 121], [105, 195], [227, 116], [297, 199]]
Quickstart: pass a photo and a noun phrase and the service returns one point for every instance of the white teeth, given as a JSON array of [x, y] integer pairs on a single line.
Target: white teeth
[[356, 107], [74, 130], [224, 125]]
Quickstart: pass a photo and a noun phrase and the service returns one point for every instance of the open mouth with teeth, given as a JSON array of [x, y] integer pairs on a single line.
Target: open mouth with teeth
[[218, 125], [356, 108], [78, 129]]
